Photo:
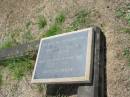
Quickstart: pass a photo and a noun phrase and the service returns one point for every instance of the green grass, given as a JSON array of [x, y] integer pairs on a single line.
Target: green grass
[[124, 13], [18, 66], [53, 30], [120, 12], [81, 19], [41, 22], [126, 54], [27, 37], [56, 28], [60, 18], [28, 24], [12, 39], [8, 42], [125, 30]]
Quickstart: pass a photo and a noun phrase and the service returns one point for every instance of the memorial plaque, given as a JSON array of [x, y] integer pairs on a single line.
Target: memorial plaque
[[65, 58]]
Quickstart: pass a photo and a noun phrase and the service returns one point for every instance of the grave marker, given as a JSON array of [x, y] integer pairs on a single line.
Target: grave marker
[[65, 58]]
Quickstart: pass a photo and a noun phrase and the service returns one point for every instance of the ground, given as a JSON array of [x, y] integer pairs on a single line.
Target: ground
[[23, 21]]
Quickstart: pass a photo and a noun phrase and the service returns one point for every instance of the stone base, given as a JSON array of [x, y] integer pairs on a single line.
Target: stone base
[[98, 87]]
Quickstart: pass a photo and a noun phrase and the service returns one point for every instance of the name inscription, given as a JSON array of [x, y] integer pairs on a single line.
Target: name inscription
[[61, 57]]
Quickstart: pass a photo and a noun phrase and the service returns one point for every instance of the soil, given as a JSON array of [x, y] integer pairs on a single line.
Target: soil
[[15, 13]]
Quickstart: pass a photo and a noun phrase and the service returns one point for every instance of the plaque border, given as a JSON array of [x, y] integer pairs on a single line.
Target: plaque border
[[89, 61]]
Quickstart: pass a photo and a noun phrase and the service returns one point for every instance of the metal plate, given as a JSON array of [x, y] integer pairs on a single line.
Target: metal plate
[[63, 58]]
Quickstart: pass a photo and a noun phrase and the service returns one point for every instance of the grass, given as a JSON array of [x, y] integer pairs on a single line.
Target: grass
[[8, 42], [53, 30], [81, 18], [41, 22], [13, 39], [125, 30], [18, 66], [126, 54], [60, 18], [56, 28], [28, 24], [120, 12], [124, 13], [27, 36]]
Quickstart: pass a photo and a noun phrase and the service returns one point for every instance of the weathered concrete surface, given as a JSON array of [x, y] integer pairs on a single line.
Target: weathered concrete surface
[[19, 50]]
